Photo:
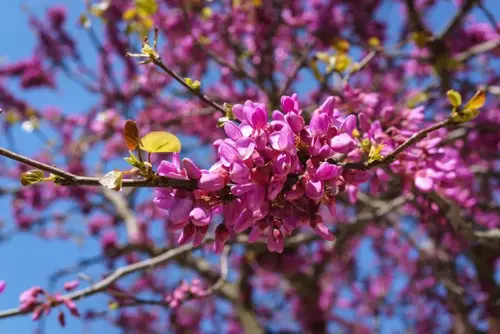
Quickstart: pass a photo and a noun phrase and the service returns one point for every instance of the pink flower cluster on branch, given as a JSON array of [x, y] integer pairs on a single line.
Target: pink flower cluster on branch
[[303, 172], [274, 175]]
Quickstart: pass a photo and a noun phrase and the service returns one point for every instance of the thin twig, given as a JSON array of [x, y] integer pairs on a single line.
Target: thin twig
[[108, 281], [362, 64], [224, 271], [489, 16], [455, 21], [478, 49], [153, 262], [392, 156], [158, 62], [69, 179], [301, 61]]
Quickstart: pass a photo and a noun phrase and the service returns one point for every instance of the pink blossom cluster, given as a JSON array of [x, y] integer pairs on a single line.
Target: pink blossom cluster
[[30, 301], [273, 175], [184, 292], [278, 172]]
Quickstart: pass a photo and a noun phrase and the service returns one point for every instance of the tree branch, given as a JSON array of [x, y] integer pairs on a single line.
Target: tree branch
[[162, 258], [478, 49], [158, 62], [69, 179], [455, 21], [392, 156], [301, 61], [108, 281]]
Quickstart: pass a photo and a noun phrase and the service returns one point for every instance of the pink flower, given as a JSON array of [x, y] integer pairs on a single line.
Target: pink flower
[[244, 221], [71, 285], [275, 241], [342, 143], [256, 116], [319, 125], [327, 171], [221, 235], [179, 212], [426, 179], [210, 181], [192, 171], [71, 307], [201, 213], [314, 189], [283, 140]]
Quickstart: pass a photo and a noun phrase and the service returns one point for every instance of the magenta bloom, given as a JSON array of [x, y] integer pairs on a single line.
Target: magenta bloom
[[211, 181], [426, 179], [283, 140]]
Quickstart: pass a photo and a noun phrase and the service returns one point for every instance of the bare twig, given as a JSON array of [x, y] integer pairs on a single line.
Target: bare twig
[[362, 64], [478, 49], [158, 62], [123, 211], [108, 281], [162, 258], [455, 21], [224, 270], [301, 61], [489, 16], [415, 17]]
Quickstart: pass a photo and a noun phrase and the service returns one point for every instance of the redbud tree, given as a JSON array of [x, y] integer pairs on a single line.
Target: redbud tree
[[322, 129]]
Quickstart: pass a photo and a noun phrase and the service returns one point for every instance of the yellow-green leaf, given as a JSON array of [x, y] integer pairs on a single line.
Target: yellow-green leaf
[[342, 62], [206, 13], [416, 99], [454, 97], [112, 180], [374, 42], [374, 154], [366, 145], [129, 14], [146, 7], [477, 101], [195, 85], [341, 45], [421, 38], [228, 109], [31, 177], [12, 116], [464, 116], [84, 21], [113, 306], [160, 142], [317, 74], [258, 3]]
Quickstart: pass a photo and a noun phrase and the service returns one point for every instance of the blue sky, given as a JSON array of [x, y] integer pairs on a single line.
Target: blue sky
[[26, 260]]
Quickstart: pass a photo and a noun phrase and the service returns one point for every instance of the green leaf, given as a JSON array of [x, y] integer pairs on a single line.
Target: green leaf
[[132, 160], [195, 85], [454, 97], [32, 177], [470, 110], [112, 180], [160, 142], [146, 7], [374, 154], [464, 116]]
